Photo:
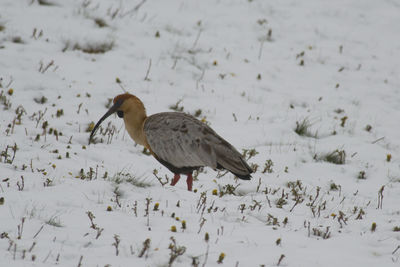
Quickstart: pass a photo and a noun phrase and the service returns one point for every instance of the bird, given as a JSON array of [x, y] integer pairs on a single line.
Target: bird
[[177, 140]]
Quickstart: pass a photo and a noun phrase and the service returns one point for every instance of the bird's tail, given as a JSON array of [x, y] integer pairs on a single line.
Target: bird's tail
[[234, 163]]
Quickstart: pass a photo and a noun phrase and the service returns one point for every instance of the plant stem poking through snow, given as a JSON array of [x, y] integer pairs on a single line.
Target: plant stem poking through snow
[[175, 251], [280, 259], [80, 261], [147, 210], [155, 172], [146, 78], [116, 244], [93, 225], [21, 228], [380, 197], [146, 247], [22, 184]]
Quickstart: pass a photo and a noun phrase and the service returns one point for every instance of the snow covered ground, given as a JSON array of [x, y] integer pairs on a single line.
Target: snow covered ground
[[254, 70]]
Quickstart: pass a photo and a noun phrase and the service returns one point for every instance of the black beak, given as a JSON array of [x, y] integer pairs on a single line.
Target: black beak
[[113, 109]]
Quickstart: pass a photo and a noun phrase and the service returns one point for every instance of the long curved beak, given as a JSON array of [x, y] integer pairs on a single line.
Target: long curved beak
[[113, 109]]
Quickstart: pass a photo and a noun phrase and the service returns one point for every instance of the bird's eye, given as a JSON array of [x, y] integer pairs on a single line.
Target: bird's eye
[[120, 113]]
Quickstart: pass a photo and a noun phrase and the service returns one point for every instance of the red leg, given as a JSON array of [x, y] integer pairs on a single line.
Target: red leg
[[176, 179], [189, 181]]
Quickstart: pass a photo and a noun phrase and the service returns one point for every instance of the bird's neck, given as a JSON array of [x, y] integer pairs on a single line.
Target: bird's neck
[[134, 121]]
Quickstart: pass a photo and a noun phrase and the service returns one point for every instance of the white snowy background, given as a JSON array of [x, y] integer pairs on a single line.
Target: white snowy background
[[253, 70]]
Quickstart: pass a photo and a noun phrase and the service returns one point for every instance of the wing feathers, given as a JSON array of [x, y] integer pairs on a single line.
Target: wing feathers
[[183, 141]]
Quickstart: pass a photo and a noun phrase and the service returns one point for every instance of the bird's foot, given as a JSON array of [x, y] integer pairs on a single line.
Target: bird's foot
[[189, 181], [176, 179]]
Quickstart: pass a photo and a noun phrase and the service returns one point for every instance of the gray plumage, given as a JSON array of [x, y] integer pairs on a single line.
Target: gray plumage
[[183, 142]]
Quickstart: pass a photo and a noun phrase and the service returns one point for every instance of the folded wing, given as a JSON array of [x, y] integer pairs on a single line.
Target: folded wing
[[183, 141]]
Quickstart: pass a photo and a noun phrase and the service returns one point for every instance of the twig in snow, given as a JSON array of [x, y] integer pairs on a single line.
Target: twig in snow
[[280, 259], [31, 248], [203, 220], [146, 247], [155, 172], [200, 78], [380, 197], [146, 78], [21, 227], [91, 217], [175, 252], [206, 255], [43, 69], [116, 244], [191, 50], [80, 261], [136, 8], [118, 81], [147, 213], [394, 251], [48, 255], [38, 232], [377, 140]]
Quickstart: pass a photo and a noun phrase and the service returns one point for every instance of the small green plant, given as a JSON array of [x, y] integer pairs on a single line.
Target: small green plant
[[206, 237], [176, 106], [6, 157], [175, 251], [335, 157], [221, 258], [321, 233], [334, 187], [17, 40], [90, 48], [271, 220], [249, 153], [124, 177], [45, 3], [361, 175], [343, 121], [60, 112], [227, 189], [280, 202], [373, 227], [101, 23], [396, 229], [5, 101], [90, 127], [40, 100], [54, 221], [90, 175], [268, 166], [197, 113], [303, 128]]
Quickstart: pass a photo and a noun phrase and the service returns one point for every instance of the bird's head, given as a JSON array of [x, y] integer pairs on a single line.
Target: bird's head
[[126, 106]]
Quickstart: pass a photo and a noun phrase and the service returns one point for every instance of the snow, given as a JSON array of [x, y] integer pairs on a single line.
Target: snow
[[324, 61]]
